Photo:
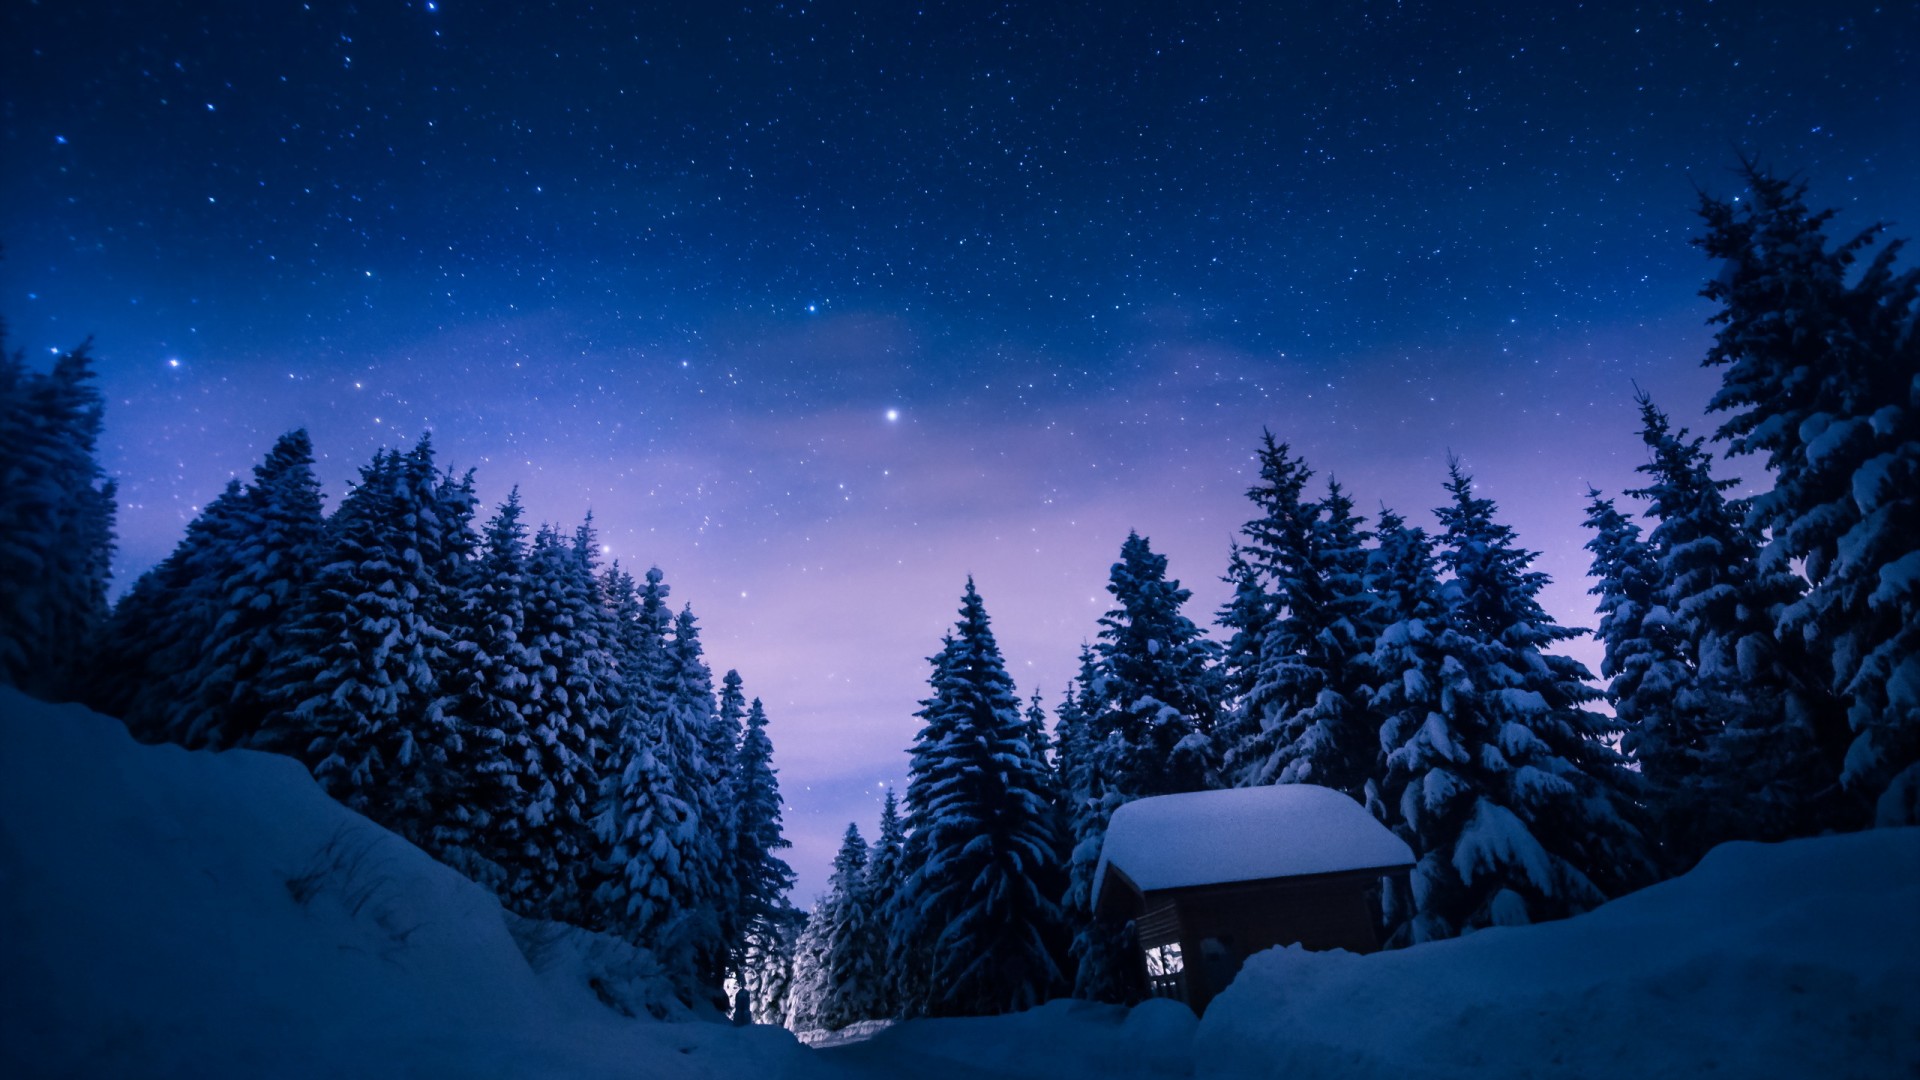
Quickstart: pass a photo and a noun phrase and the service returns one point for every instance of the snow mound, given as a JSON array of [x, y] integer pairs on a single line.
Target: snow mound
[[175, 913], [1788, 960], [1244, 834]]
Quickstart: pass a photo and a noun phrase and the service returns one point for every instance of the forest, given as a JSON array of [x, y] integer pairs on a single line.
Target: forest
[[551, 727]]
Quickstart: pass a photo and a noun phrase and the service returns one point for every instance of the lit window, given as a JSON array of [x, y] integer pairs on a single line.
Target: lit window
[[1164, 966]]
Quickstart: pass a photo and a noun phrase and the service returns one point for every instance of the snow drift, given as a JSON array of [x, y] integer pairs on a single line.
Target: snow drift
[[1789, 960], [172, 913]]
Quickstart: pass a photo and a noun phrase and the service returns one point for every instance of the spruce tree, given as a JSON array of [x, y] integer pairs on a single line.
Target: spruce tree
[[980, 905], [1730, 750], [354, 692], [1273, 617], [760, 878], [706, 755], [854, 961], [1102, 967], [1314, 661], [497, 677], [567, 720], [1499, 777], [1157, 689], [886, 878], [274, 559], [56, 523], [1821, 375], [150, 648]]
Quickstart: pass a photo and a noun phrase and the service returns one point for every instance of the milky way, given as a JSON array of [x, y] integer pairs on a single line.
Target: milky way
[[821, 307]]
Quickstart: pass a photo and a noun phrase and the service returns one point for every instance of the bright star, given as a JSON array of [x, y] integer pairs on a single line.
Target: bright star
[[893, 414]]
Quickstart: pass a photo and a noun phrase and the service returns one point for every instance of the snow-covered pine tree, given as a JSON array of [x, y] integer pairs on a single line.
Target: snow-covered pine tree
[[980, 901], [1821, 373], [760, 878], [354, 691], [854, 969], [1102, 970], [150, 647], [567, 721], [767, 973], [886, 877], [707, 756], [1271, 616], [1156, 684], [274, 558], [1315, 660], [496, 677], [1414, 683], [56, 523], [1730, 751], [810, 986], [1498, 776]]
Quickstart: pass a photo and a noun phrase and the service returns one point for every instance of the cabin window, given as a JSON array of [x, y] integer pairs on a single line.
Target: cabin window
[[1165, 969]]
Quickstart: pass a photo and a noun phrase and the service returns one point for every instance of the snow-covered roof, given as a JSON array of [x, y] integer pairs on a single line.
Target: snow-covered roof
[[1244, 834]]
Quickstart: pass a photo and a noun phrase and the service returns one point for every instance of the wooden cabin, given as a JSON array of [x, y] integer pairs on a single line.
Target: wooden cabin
[[1212, 877]]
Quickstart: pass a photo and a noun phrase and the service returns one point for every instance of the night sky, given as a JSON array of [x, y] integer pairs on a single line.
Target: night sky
[[821, 307]]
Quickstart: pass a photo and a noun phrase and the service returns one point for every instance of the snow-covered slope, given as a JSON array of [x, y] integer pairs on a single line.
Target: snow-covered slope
[[1793, 960], [166, 913]]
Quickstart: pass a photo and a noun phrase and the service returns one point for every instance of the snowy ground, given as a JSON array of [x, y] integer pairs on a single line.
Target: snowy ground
[[172, 914]]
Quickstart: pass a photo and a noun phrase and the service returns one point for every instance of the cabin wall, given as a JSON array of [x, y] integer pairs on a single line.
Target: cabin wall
[[1220, 928]]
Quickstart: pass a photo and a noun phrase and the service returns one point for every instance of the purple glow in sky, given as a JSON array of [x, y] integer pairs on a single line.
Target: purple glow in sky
[[821, 309]]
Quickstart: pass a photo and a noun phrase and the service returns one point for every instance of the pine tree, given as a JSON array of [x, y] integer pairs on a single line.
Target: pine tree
[[979, 904], [1273, 617], [1315, 661], [150, 648], [567, 721], [1645, 658], [1499, 777], [810, 987], [1156, 687], [768, 973], [355, 690], [706, 755], [493, 698], [760, 878], [1102, 966], [1821, 376], [56, 523], [854, 958], [274, 559], [1730, 749]]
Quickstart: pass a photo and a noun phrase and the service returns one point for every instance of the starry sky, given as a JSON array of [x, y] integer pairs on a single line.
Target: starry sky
[[822, 306]]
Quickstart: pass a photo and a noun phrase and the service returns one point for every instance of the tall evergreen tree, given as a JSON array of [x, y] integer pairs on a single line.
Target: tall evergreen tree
[[150, 647], [1729, 748], [56, 522], [979, 903], [494, 699], [1156, 687], [1273, 617], [1314, 661], [854, 956], [760, 878], [1499, 777], [1821, 365], [355, 692], [1101, 963], [567, 721]]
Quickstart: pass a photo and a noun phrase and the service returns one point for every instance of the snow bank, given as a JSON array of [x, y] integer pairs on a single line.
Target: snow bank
[[167, 913], [1792, 960], [1244, 834]]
